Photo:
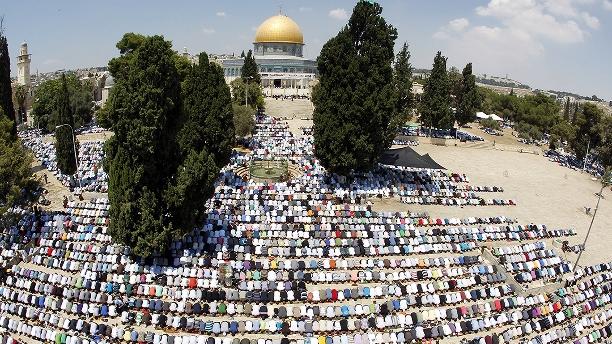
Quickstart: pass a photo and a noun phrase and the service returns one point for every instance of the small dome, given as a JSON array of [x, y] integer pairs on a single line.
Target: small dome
[[109, 82], [279, 29]]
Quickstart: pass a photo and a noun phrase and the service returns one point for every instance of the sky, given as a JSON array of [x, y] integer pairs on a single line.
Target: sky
[[547, 44]]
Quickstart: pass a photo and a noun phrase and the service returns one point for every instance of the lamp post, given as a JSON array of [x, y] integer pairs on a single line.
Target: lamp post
[[606, 180], [76, 159], [587, 154]]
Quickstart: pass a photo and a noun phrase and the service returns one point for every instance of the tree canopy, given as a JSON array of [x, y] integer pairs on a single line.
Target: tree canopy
[[435, 106], [254, 93], [6, 92], [250, 70], [16, 182], [468, 99], [244, 120], [402, 80], [207, 105], [47, 99], [169, 141], [64, 145], [355, 100]]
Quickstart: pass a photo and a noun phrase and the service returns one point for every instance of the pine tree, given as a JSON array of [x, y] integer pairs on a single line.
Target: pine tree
[[16, 184], [161, 165], [402, 80], [435, 105], [6, 93], [250, 71], [64, 135], [242, 54], [566, 110], [468, 101], [208, 110], [575, 112], [355, 99]]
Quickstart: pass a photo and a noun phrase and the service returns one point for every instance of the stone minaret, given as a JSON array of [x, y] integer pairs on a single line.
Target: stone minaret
[[23, 65]]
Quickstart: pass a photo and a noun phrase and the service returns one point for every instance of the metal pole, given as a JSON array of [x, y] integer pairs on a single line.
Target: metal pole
[[591, 225], [587, 154]]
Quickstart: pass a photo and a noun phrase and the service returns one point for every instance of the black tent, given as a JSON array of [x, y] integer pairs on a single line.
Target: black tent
[[407, 157], [432, 162]]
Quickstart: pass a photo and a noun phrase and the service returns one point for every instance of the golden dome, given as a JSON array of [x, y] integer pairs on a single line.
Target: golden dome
[[279, 29]]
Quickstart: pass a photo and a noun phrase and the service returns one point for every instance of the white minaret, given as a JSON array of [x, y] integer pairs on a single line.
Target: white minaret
[[23, 65]]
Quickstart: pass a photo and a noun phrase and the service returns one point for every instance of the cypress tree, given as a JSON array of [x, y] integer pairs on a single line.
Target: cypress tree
[[402, 80], [207, 105], [250, 72], [64, 136], [468, 97], [575, 112], [6, 93], [169, 140], [143, 156], [242, 54], [435, 106], [355, 99], [566, 110]]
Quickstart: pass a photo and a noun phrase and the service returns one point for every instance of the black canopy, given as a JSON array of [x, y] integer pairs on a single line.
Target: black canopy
[[407, 157]]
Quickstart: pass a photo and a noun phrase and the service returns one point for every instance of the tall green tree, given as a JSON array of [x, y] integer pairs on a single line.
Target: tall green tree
[[402, 81], [21, 98], [455, 82], [142, 156], [604, 151], [207, 105], [575, 112], [355, 99], [468, 97], [6, 92], [48, 96], [162, 160], [588, 134], [566, 110], [253, 92], [16, 182], [64, 135], [250, 71], [244, 120], [435, 103]]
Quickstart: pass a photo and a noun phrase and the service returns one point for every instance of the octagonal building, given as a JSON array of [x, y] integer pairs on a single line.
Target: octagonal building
[[278, 48]]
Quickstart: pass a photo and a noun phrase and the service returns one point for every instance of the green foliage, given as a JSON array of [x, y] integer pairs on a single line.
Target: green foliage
[[355, 99], [244, 120], [16, 182], [207, 105], [250, 70], [604, 151], [48, 96], [490, 123], [560, 132], [64, 136], [455, 82], [528, 131], [183, 65], [435, 104], [6, 92], [402, 82], [588, 125], [21, 96], [468, 98], [161, 160], [566, 110], [254, 93], [537, 110]]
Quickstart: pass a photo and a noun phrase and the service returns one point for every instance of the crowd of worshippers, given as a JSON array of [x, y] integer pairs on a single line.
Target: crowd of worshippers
[[592, 165], [532, 261], [301, 262], [90, 174]]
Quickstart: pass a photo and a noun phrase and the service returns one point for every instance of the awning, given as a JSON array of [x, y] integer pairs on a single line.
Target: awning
[[407, 157]]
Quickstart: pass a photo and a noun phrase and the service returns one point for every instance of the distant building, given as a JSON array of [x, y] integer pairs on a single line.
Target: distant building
[[109, 82], [278, 50], [23, 65]]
